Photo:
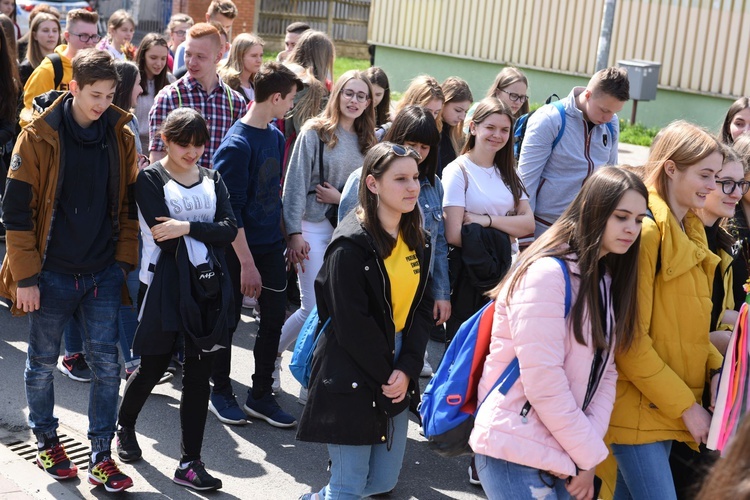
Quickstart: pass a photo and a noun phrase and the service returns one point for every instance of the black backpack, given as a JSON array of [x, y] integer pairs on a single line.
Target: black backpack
[[57, 66]]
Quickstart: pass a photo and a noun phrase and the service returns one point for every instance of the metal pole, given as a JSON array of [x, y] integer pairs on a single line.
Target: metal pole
[[605, 36], [632, 113], [329, 25]]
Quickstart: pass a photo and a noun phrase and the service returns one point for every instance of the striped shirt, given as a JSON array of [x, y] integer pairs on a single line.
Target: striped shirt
[[221, 108]]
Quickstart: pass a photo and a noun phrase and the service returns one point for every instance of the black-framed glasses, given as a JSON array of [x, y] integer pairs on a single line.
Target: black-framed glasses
[[728, 186], [179, 32], [515, 97], [359, 96], [85, 37]]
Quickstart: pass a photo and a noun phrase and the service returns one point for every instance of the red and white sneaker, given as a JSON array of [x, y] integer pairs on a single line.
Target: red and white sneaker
[[106, 473], [55, 462]]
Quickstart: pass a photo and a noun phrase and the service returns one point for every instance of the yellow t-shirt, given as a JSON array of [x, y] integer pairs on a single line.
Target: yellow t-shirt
[[403, 271]]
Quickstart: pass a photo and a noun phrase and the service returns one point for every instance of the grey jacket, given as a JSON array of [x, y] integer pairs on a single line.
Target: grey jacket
[[553, 177], [302, 175]]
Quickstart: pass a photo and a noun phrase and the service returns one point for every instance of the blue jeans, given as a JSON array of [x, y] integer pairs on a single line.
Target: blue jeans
[[94, 302], [643, 471], [507, 480], [362, 471], [127, 321]]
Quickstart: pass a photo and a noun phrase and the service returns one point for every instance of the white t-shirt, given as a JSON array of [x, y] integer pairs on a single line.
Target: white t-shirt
[[486, 194]]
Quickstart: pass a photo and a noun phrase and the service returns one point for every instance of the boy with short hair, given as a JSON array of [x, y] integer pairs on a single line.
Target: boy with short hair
[[72, 233], [222, 11], [201, 89], [80, 33], [553, 174], [249, 159], [293, 32]]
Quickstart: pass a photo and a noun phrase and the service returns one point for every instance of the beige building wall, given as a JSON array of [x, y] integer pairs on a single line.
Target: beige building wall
[[703, 45]]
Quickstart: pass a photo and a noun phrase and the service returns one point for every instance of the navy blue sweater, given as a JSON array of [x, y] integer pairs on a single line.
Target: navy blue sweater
[[249, 160]]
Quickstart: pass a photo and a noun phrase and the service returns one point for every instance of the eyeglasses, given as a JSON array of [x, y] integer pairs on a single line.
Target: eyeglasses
[[85, 37], [179, 32], [515, 97], [729, 186], [350, 94]]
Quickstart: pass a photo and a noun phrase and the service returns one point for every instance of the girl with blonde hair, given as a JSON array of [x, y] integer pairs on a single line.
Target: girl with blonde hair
[[245, 59], [662, 376], [120, 31], [44, 36]]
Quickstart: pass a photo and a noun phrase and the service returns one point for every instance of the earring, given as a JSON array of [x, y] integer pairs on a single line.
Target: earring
[[377, 195]]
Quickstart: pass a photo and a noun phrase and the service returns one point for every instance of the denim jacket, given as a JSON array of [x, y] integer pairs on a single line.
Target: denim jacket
[[431, 205]]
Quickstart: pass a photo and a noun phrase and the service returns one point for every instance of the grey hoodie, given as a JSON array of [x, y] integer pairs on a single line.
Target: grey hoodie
[[553, 177]]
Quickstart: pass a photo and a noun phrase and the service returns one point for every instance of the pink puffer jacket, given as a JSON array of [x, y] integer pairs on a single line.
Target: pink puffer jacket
[[557, 436]]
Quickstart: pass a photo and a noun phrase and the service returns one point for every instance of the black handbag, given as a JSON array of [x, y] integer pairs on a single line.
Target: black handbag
[[332, 213]]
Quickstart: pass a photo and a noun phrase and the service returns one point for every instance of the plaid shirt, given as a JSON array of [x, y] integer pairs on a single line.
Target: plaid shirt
[[221, 108]]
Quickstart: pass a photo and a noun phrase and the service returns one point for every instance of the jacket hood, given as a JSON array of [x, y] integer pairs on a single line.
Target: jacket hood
[[350, 228]]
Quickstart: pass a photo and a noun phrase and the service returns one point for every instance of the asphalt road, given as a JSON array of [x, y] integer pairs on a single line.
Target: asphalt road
[[255, 461]]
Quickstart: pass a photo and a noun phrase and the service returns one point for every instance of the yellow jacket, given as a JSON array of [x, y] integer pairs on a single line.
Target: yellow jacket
[[43, 80], [665, 371]]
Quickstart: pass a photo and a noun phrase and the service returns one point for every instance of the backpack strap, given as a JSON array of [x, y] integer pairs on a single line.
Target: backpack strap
[[57, 66], [513, 370], [560, 109], [321, 146], [466, 179]]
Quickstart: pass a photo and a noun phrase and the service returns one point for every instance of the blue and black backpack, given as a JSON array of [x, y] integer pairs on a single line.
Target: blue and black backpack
[[449, 403], [519, 130]]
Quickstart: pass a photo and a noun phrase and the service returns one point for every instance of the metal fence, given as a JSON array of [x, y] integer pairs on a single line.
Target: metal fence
[[343, 20], [151, 16]]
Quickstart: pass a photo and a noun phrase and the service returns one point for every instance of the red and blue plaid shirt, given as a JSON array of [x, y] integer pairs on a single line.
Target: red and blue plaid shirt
[[221, 108]]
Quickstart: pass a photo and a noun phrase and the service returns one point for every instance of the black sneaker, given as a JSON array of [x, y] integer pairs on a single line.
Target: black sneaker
[[106, 473], [54, 461], [75, 367], [127, 444], [195, 476]]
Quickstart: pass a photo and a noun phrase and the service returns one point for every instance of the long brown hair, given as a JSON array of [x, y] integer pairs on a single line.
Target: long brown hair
[[725, 135], [33, 49], [160, 80], [328, 121], [507, 77], [457, 90], [579, 231], [377, 162], [505, 162]]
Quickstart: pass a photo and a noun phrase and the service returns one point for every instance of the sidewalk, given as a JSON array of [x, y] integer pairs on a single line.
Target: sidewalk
[[23, 480], [629, 154]]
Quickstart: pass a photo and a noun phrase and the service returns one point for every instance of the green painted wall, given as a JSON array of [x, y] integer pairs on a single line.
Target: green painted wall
[[402, 65]]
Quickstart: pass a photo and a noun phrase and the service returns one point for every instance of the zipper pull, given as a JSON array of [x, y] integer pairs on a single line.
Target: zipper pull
[[525, 412]]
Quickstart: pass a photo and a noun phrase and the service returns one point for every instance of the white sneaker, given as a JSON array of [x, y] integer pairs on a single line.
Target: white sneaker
[[249, 302], [426, 369], [302, 399], [276, 385]]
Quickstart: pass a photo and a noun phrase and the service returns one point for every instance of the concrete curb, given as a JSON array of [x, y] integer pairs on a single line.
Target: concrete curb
[[23, 480]]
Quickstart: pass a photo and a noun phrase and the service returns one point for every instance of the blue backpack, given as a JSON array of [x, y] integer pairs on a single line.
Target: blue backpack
[[519, 130], [449, 403], [301, 364]]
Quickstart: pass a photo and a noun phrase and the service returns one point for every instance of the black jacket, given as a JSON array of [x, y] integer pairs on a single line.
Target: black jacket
[[475, 268], [162, 316], [354, 357]]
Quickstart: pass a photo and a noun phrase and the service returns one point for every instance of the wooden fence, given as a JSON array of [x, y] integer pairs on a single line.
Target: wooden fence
[[345, 21]]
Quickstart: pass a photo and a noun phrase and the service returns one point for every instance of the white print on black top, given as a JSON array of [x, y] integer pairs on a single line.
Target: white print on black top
[[195, 204]]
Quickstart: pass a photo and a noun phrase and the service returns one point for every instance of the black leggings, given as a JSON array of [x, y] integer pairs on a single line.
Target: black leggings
[[193, 403]]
